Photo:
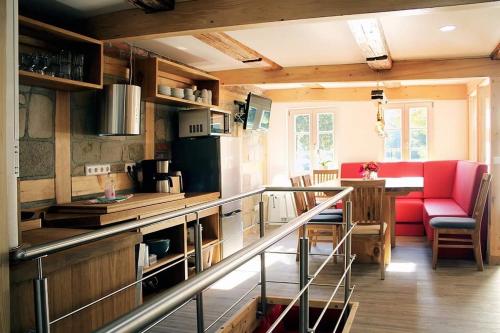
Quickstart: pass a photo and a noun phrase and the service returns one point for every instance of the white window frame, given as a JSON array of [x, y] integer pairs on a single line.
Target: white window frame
[[314, 135], [405, 127]]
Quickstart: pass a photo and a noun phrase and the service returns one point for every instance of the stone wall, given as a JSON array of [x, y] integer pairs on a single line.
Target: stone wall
[[36, 132], [87, 147]]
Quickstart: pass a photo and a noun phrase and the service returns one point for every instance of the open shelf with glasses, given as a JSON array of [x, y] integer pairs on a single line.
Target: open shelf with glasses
[[151, 73], [41, 47]]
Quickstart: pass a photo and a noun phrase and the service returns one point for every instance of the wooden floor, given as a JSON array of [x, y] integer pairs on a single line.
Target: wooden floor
[[412, 298]]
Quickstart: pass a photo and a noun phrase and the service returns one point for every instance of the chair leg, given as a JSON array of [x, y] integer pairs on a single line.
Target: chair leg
[[435, 248], [382, 259], [476, 241]]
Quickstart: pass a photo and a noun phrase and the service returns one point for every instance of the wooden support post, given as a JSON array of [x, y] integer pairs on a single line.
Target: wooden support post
[[149, 149], [494, 229], [63, 148]]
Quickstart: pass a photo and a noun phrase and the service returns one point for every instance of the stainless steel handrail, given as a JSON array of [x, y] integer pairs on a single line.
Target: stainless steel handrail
[[165, 302], [41, 250], [37, 251]]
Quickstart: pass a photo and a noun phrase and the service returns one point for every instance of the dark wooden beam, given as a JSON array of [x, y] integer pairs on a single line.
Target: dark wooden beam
[[217, 15], [401, 70]]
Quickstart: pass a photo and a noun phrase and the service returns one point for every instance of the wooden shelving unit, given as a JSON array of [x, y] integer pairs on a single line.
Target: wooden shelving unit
[[152, 72], [180, 248], [38, 36]]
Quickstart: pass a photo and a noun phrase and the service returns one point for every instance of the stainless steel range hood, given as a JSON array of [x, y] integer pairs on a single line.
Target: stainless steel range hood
[[120, 110]]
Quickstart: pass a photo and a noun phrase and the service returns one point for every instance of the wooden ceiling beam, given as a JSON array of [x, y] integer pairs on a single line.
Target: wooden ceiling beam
[[429, 92], [495, 55], [401, 70], [192, 17], [370, 38], [234, 48]]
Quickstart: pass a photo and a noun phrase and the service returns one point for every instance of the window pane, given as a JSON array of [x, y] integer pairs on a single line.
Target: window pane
[[418, 144], [393, 145], [302, 123], [418, 117], [392, 118], [325, 122], [325, 151], [302, 152]]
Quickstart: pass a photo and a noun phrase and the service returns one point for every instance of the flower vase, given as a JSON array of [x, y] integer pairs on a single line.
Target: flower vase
[[372, 175]]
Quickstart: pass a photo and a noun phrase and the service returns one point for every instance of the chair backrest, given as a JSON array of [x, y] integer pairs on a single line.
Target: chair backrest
[[367, 201], [321, 176], [481, 199], [300, 202], [310, 196]]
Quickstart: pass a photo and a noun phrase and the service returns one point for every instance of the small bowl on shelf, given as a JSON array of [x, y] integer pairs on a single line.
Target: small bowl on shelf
[[159, 247], [164, 90]]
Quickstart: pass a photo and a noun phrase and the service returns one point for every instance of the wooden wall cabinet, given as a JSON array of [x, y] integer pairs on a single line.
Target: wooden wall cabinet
[[36, 36], [152, 72]]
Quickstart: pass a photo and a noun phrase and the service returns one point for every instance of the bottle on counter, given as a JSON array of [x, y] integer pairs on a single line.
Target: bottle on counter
[[109, 188]]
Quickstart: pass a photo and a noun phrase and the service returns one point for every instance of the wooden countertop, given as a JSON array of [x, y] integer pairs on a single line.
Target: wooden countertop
[[94, 220], [22, 271]]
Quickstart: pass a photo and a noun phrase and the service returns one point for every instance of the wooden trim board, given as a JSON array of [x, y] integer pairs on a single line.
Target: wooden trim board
[[149, 144], [37, 189], [192, 17], [438, 92], [401, 70], [62, 148], [83, 185]]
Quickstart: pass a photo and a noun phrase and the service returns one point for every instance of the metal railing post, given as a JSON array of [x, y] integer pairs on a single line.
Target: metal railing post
[[263, 287], [198, 255], [304, 279], [347, 252], [42, 320]]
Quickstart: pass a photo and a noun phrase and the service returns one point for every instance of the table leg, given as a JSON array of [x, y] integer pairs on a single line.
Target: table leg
[[390, 216], [392, 200]]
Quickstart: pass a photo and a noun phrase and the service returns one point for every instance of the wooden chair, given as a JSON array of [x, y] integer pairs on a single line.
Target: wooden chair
[[322, 220], [367, 211], [321, 176], [311, 202], [462, 226]]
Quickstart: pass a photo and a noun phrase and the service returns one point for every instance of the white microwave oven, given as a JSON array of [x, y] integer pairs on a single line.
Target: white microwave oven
[[203, 122]]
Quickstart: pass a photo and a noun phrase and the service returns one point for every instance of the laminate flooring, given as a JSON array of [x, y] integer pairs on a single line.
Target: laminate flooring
[[413, 297]]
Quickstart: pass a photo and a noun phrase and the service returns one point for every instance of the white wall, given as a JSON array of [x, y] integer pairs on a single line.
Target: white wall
[[355, 136]]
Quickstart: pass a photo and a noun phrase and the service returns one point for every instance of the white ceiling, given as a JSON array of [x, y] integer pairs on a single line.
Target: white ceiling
[[410, 35]]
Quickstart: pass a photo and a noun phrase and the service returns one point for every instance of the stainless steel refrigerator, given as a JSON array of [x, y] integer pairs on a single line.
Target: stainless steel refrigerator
[[212, 164]]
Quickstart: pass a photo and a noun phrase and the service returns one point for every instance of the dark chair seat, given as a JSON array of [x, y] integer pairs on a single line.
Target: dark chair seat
[[332, 211], [453, 222], [326, 218]]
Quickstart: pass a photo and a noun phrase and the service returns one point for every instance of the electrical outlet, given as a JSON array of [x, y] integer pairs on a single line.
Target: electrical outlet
[[97, 169], [129, 165]]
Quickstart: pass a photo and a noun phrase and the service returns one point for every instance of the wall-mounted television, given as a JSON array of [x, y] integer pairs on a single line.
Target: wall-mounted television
[[257, 112]]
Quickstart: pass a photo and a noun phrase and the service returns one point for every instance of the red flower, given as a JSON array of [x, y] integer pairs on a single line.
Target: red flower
[[367, 167]]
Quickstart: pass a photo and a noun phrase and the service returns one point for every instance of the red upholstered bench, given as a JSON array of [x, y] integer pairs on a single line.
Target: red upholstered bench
[[450, 188]]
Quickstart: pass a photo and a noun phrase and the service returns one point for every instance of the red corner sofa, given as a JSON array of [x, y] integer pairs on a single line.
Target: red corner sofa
[[450, 189]]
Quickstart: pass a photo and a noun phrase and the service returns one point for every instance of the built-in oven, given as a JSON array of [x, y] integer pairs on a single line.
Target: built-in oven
[[203, 122]]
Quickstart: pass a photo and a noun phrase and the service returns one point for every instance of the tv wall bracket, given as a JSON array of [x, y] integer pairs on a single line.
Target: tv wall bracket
[[240, 115]]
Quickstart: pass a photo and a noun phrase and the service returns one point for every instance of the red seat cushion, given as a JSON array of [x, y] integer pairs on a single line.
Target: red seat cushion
[[439, 207], [467, 180], [409, 229], [409, 210], [439, 177]]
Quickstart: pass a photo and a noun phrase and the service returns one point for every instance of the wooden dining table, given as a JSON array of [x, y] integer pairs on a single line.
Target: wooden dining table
[[394, 187]]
